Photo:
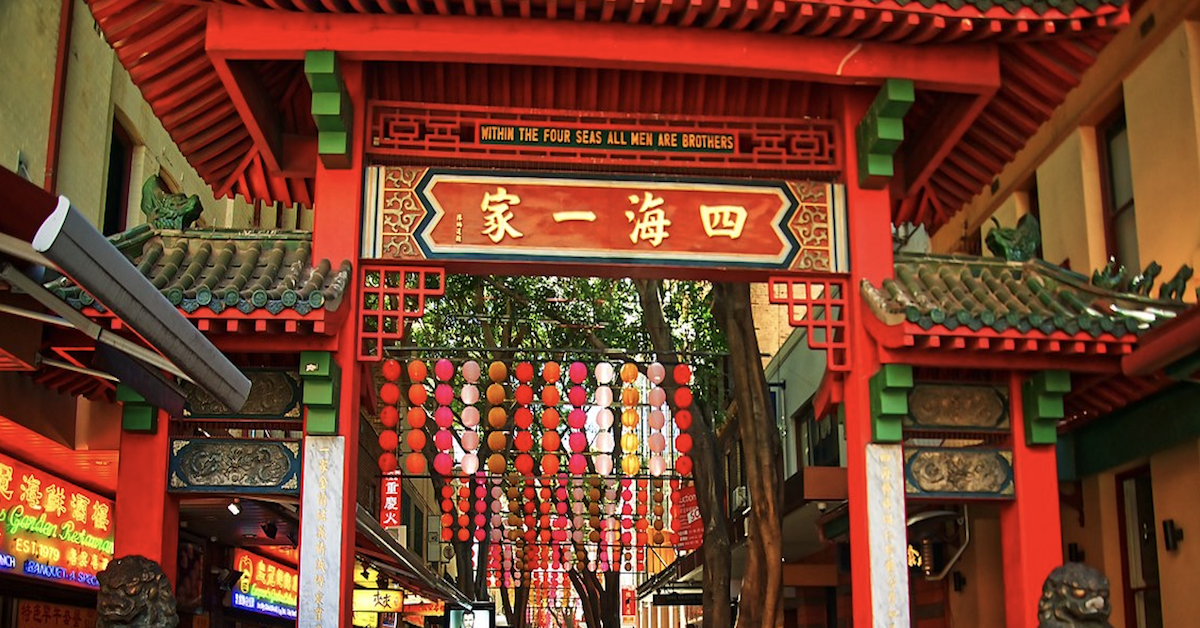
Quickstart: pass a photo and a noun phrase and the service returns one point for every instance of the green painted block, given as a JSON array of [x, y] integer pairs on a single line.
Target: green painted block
[[323, 71], [897, 376], [331, 111], [887, 137], [895, 98], [139, 418], [1054, 382], [125, 394], [321, 422], [316, 364], [1048, 406], [333, 143], [1042, 402], [889, 388], [320, 392]]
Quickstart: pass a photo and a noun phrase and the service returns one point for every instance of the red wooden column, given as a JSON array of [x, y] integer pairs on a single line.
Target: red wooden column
[[147, 518], [337, 214], [869, 215], [1030, 529]]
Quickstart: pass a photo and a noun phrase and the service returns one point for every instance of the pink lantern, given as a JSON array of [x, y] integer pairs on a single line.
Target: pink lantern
[[469, 464], [604, 372], [577, 372], [577, 465], [443, 464], [578, 442], [443, 370], [605, 418], [471, 371], [444, 417], [657, 397], [470, 416], [657, 442], [656, 373], [604, 464], [658, 465], [576, 419], [470, 440], [656, 419], [443, 440], [603, 396]]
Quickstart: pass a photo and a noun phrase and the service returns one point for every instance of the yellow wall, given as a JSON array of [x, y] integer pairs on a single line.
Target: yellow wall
[[1176, 476], [1161, 109], [1099, 537], [981, 603], [1072, 211]]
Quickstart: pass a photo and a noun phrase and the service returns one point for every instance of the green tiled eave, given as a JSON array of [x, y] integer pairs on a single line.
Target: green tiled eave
[[977, 293], [1014, 7], [219, 269]]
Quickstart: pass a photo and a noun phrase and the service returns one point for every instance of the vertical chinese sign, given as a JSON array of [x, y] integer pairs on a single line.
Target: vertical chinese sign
[[52, 529], [266, 587], [389, 501], [321, 532]]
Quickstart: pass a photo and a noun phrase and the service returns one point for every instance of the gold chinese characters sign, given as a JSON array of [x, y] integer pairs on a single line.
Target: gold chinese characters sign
[[436, 214]]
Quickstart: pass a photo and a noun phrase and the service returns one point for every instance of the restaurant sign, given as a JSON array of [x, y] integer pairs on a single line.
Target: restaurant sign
[[437, 214], [266, 587], [52, 529]]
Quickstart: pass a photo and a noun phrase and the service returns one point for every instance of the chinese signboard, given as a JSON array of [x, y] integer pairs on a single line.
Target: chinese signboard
[[52, 529], [321, 531], [389, 507], [608, 139], [266, 587], [42, 615], [394, 601], [434, 214], [689, 525]]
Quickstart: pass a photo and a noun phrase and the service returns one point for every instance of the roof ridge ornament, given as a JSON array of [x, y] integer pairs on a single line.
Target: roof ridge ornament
[[1016, 244], [165, 210]]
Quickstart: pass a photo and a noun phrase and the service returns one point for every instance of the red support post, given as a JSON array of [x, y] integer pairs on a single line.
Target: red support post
[[337, 210], [147, 518], [1030, 529], [869, 213]]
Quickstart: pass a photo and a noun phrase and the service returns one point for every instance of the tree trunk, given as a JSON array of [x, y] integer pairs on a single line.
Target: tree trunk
[[761, 602], [708, 470]]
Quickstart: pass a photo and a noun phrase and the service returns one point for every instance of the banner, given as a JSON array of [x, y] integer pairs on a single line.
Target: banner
[[389, 507], [689, 526]]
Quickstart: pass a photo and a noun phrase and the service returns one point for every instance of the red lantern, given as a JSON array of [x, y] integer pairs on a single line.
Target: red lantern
[[577, 441], [576, 419], [388, 462], [444, 417], [524, 372], [684, 465], [683, 397], [683, 374], [524, 394], [389, 393], [683, 420], [415, 418], [416, 440], [577, 372], [683, 443], [550, 463], [523, 418], [578, 466], [443, 394], [551, 441], [577, 396], [417, 371], [443, 464], [389, 416], [551, 371], [524, 464], [443, 441], [417, 394], [391, 370], [415, 463], [524, 441], [388, 440]]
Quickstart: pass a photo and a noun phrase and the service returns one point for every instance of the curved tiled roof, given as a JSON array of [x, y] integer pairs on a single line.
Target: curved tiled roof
[[221, 269], [975, 292]]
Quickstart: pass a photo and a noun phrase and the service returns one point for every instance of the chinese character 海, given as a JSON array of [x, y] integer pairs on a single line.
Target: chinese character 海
[[498, 215], [723, 220], [100, 516], [31, 491], [56, 499], [6, 477], [79, 506], [650, 221]]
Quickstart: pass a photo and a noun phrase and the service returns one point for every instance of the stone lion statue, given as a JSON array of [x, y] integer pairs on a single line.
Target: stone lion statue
[[1074, 596], [135, 593]]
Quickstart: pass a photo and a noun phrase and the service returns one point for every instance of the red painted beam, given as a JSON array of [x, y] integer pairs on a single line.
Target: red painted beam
[[238, 33], [938, 135], [1165, 345], [253, 105]]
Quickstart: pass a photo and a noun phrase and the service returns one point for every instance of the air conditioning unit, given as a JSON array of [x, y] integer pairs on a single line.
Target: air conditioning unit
[[741, 498]]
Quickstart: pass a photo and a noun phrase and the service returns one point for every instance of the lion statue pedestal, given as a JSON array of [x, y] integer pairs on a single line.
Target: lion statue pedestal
[[135, 593], [1074, 596]]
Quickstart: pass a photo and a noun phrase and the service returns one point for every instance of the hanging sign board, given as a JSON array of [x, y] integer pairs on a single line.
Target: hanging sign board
[[52, 529], [389, 506], [607, 138], [688, 524], [460, 215], [266, 587]]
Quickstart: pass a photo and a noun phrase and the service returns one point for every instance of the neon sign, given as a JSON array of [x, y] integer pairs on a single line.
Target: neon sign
[[266, 587], [52, 529]]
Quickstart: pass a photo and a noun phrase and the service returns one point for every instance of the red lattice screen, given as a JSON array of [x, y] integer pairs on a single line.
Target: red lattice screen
[[431, 133], [391, 295], [819, 306]]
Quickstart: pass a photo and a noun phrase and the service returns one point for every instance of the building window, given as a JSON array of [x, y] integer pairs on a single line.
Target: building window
[[1139, 549], [1120, 221], [116, 190]]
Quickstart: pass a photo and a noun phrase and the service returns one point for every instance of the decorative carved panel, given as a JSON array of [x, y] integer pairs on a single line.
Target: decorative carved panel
[[958, 473], [957, 407], [235, 466], [274, 394]]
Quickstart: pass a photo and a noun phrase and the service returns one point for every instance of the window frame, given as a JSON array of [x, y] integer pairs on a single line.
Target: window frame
[[1104, 132]]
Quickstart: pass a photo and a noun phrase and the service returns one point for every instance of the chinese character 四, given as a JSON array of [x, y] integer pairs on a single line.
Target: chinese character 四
[[723, 220], [498, 215], [650, 221]]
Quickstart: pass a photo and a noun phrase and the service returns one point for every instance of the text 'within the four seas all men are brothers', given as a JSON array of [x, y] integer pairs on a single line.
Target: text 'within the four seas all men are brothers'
[[607, 138]]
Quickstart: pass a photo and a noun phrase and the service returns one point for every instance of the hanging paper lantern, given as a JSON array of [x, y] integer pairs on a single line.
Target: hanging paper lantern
[[657, 442], [631, 464], [523, 441], [523, 464], [550, 464], [524, 372], [443, 417], [442, 440], [469, 394], [630, 418], [577, 396], [604, 464], [495, 394], [443, 394], [604, 372], [417, 394], [415, 463], [469, 464], [470, 416], [443, 370], [470, 440], [416, 440], [656, 420], [658, 465], [683, 443], [629, 372], [629, 441], [389, 393], [577, 372], [604, 418], [551, 371], [388, 462], [550, 418], [417, 371], [471, 371], [656, 373], [497, 441], [496, 464], [603, 396], [389, 417], [550, 396], [551, 441], [683, 397], [630, 397], [577, 442], [604, 442], [523, 394], [683, 420], [682, 374], [389, 440], [523, 418], [576, 419], [684, 465], [657, 397], [497, 418], [497, 371], [391, 370]]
